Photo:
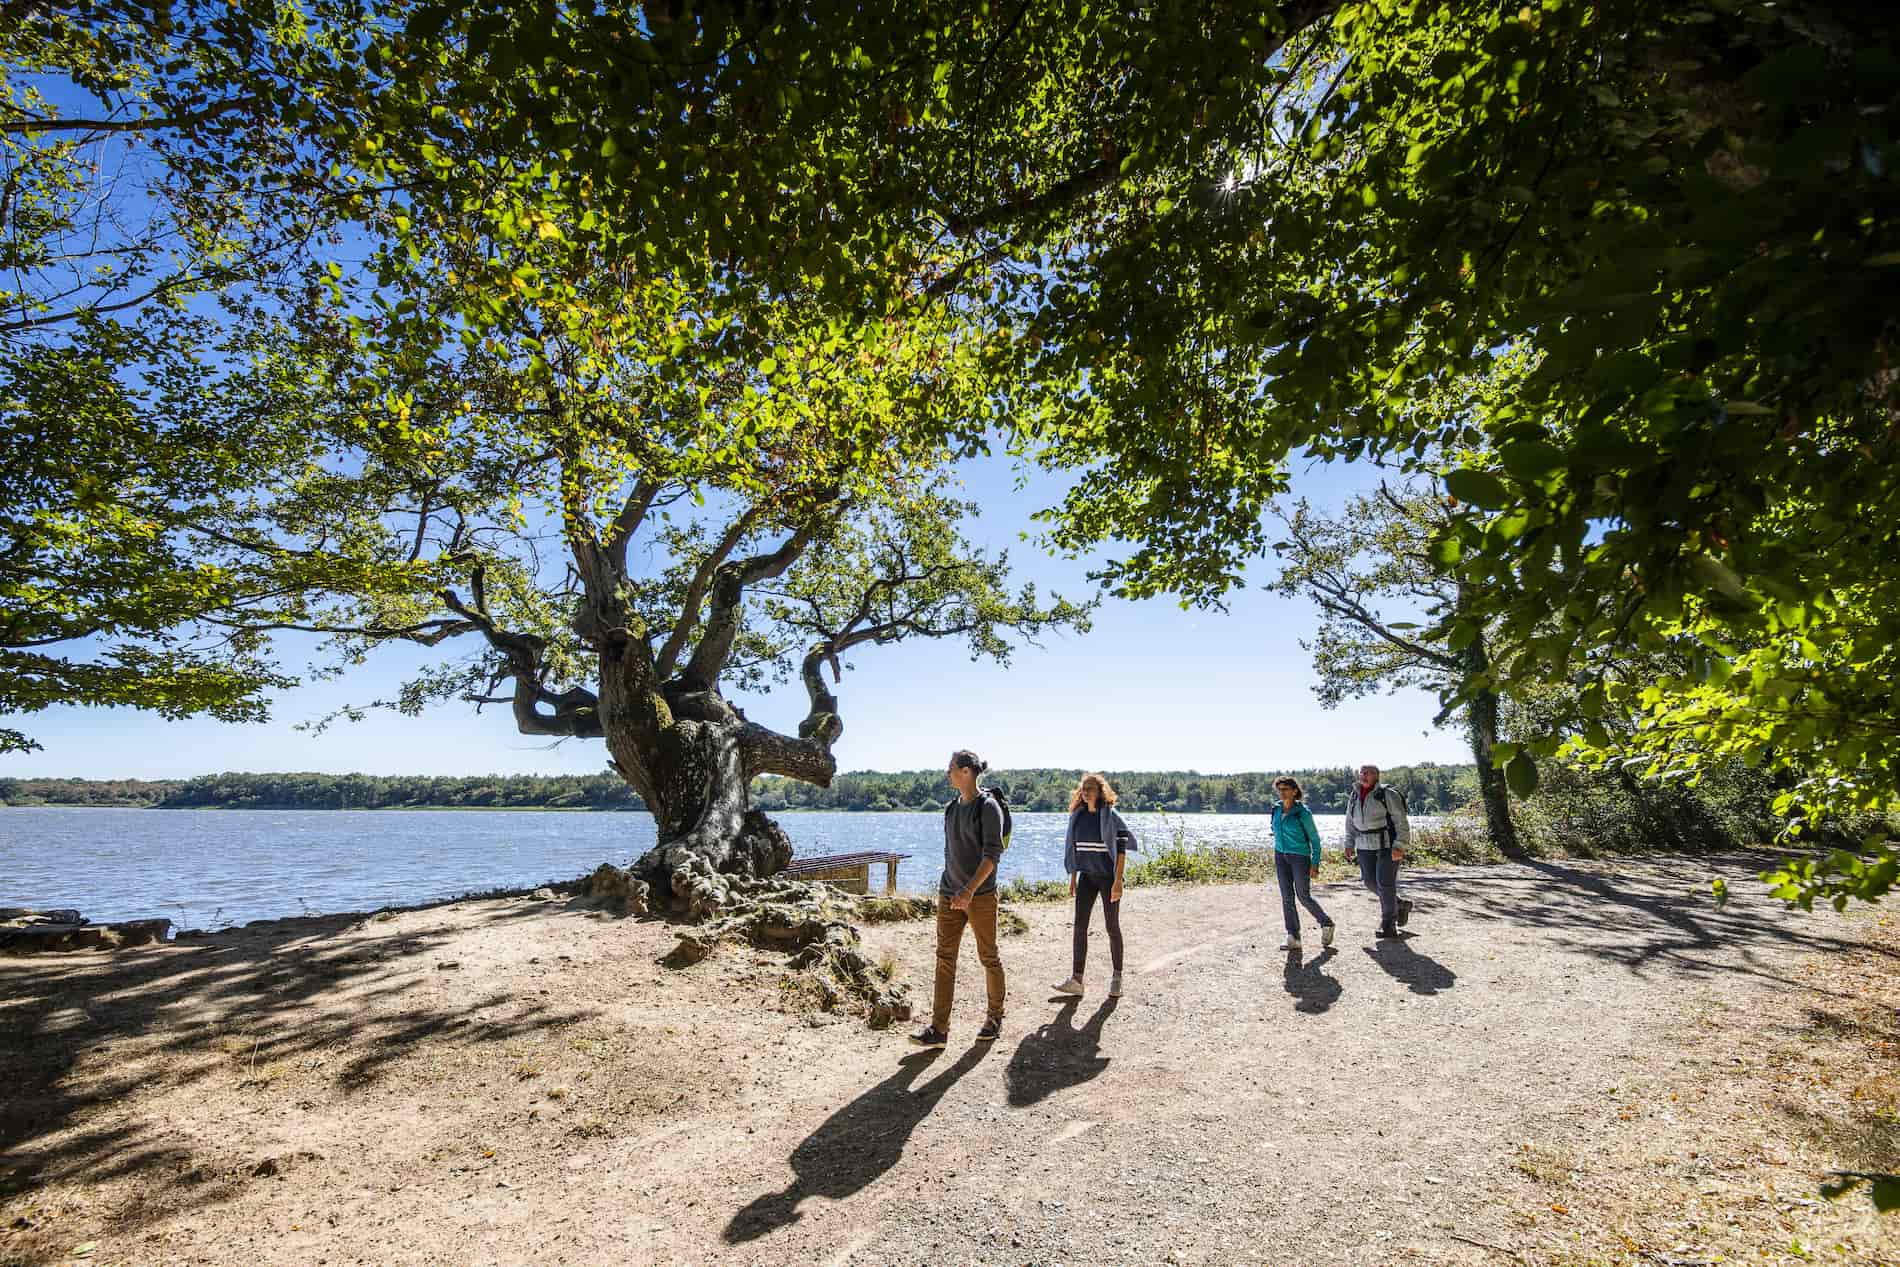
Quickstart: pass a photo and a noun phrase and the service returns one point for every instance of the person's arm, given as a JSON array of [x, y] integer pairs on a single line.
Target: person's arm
[[991, 826], [984, 870], [1311, 829], [1401, 825], [1121, 861]]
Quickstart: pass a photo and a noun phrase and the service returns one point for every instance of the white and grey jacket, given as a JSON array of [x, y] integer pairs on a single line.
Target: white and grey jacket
[[1378, 821]]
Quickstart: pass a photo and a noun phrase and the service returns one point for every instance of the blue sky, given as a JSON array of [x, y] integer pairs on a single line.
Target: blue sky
[[1150, 687]]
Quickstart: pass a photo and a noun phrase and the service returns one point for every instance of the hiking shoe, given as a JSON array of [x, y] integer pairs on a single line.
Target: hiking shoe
[[931, 1036], [1115, 986], [1326, 935], [1386, 931], [1405, 911], [991, 1028], [1072, 986], [1290, 943]]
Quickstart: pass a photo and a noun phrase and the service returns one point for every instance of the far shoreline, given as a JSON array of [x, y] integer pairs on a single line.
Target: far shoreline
[[565, 809]]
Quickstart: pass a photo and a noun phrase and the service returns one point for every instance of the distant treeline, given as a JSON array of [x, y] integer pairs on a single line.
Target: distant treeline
[[332, 791], [1429, 789]]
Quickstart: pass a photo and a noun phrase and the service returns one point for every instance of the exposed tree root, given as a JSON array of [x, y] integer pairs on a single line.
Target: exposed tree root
[[617, 889], [812, 923]]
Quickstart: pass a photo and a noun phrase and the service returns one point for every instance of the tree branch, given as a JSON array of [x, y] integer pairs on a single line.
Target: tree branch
[[576, 712], [174, 122], [1340, 603], [1068, 189], [696, 591], [728, 591], [428, 632], [628, 521]]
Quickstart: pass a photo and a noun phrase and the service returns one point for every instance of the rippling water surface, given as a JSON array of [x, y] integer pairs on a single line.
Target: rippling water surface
[[209, 868]]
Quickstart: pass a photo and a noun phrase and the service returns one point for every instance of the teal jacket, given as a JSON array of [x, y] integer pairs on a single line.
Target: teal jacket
[[1296, 832]]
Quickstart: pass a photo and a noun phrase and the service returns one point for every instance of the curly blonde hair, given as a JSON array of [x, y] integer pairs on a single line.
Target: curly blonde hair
[[1077, 800]]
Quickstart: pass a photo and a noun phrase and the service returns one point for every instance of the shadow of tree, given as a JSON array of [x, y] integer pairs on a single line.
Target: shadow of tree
[[1058, 1055], [1420, 973], [78, 1035], [1312, 990], [856, 1145], [1658, 915]]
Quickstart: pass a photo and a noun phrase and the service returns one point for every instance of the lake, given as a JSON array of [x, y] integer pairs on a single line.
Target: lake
[[213, 868]]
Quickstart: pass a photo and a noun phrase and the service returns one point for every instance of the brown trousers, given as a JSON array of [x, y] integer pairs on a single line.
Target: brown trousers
[[981, 917]]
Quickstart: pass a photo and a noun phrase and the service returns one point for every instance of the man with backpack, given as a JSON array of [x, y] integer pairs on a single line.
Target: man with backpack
[[1377, 835], [975, 833]]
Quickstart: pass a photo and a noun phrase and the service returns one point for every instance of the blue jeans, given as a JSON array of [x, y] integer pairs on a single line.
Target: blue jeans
[[1381, 875], [1294, 871]]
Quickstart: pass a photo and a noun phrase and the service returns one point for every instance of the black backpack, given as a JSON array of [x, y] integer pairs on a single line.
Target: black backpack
[[1002, 803]]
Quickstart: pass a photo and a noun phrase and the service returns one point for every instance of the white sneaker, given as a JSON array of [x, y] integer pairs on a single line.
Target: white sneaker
[[1115, 986], [1072, 986], [1326, 935], [1291, 943]]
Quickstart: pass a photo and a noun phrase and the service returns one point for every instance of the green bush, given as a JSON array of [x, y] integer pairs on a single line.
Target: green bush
[[1182, 862], [1022, 889], [1455, 840]]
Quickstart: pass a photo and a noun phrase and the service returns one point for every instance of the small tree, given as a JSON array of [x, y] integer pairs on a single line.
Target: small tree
[[1361, 565]]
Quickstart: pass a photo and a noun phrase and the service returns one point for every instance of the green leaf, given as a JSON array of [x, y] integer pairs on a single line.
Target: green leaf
[[1531, 459], [1715, 575], [1521, 774], [1479, 488]]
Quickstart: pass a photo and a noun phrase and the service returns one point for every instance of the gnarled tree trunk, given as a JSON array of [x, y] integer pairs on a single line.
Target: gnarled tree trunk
[[692, 757]]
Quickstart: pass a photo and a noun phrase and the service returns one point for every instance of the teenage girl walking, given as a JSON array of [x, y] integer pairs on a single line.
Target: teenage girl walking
[[1096, 852], [1296, 855]]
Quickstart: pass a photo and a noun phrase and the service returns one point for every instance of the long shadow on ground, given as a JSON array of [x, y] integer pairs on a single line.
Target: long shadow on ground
[[1312, 990], [242, 1000], [1421, 974], [1058, 1055], [856, 1145]]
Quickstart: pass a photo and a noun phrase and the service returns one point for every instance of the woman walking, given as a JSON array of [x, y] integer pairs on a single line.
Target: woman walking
[[1096, 852], [1296, 855]]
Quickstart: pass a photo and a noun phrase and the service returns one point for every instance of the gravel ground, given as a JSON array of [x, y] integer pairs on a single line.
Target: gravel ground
[[1563, 1063]]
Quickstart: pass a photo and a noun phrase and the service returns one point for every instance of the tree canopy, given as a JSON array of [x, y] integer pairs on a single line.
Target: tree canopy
[[1654, 245]]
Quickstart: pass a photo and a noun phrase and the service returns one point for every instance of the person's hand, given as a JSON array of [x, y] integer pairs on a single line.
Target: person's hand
[[1398, 854], [1115, 892], [961, 901]]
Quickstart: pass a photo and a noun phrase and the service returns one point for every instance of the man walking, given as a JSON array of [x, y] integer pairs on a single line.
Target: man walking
[[973, 843], [1378, 834]]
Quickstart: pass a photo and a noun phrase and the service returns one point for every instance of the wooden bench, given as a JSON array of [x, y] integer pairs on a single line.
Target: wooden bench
[[849, 871]]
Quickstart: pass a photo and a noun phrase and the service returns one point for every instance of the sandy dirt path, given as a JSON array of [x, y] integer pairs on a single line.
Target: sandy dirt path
[[1563, 1063]]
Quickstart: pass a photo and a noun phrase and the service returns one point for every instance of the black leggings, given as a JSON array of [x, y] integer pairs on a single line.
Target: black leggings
[[1086, 889]]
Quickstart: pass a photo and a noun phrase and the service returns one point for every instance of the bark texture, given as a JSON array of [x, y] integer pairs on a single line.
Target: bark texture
[[1481, 721]]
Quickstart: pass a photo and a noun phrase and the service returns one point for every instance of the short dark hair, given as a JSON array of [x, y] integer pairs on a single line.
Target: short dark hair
[[964, 759]]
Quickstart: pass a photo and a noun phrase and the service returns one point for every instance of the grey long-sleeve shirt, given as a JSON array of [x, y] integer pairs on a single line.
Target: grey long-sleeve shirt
[[972, 831]]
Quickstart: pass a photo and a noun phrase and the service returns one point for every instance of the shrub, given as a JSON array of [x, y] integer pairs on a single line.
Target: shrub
[[1180, 862], [1022, 889]]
